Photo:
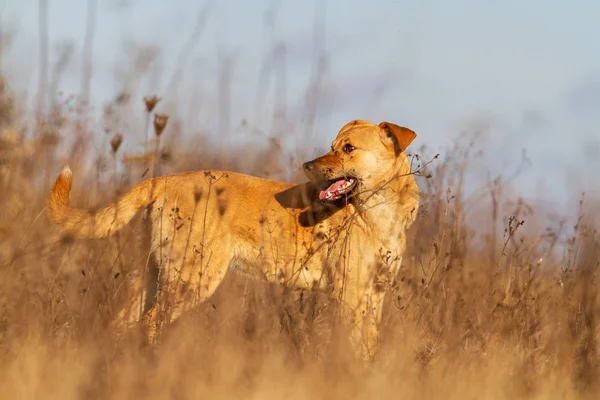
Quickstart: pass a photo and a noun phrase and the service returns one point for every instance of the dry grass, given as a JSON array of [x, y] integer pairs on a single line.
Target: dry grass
[[484, 306]]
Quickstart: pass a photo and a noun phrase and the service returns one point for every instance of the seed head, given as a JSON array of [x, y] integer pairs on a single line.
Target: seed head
[[101, 163], [150, 102], [198, 195], [115, 142], [160, 122], [123, 98]]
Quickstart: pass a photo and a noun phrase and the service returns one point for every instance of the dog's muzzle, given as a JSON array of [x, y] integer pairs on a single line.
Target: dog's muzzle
[[308, 166]]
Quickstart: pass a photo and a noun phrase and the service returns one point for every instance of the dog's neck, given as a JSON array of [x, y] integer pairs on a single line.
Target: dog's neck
[[390, 210]]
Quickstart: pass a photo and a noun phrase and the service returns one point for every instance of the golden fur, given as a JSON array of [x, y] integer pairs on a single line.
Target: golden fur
[[204, 223]]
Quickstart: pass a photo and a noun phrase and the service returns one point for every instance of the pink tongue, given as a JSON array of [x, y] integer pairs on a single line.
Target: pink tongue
[[333, 189]]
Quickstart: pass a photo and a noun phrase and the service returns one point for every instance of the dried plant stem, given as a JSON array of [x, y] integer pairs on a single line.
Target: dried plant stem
[[43, 49], [155, 158], [87, 56]]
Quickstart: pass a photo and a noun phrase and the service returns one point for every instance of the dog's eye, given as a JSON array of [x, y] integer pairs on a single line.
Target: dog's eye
[[348, 148]]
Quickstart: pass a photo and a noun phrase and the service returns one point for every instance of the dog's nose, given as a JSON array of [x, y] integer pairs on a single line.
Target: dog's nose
[[308, 166]]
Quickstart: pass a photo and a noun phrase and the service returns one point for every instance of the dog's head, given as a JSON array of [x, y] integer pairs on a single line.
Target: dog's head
[[363, 157]]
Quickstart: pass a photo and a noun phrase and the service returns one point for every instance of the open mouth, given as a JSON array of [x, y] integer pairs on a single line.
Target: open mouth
[[337, 189]]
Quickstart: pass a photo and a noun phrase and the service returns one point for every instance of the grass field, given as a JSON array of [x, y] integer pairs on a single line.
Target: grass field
[[493, 301]]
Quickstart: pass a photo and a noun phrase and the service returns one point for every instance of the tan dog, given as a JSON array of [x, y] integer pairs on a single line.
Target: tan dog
[[343, 232]]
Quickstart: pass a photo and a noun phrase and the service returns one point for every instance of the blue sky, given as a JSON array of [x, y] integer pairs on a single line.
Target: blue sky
[[530, 68]]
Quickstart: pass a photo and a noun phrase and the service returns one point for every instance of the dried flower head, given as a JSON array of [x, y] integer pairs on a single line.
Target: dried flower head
[[160, 122], [115, 142], [101, 163], [150, 102], [123, 98]]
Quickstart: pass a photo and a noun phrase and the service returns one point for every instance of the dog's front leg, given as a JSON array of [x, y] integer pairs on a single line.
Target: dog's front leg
[[365, 320]]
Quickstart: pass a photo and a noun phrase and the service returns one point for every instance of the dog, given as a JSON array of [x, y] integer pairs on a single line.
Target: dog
[[342, 232]]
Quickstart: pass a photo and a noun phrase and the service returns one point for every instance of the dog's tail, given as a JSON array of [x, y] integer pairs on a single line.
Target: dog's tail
[[95, 224]]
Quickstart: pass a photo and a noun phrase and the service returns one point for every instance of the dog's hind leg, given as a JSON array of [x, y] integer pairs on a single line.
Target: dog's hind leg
[[140, 290], [180, 292]]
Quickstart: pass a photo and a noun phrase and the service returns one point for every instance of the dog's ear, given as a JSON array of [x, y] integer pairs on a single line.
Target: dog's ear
[[398, 136]]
